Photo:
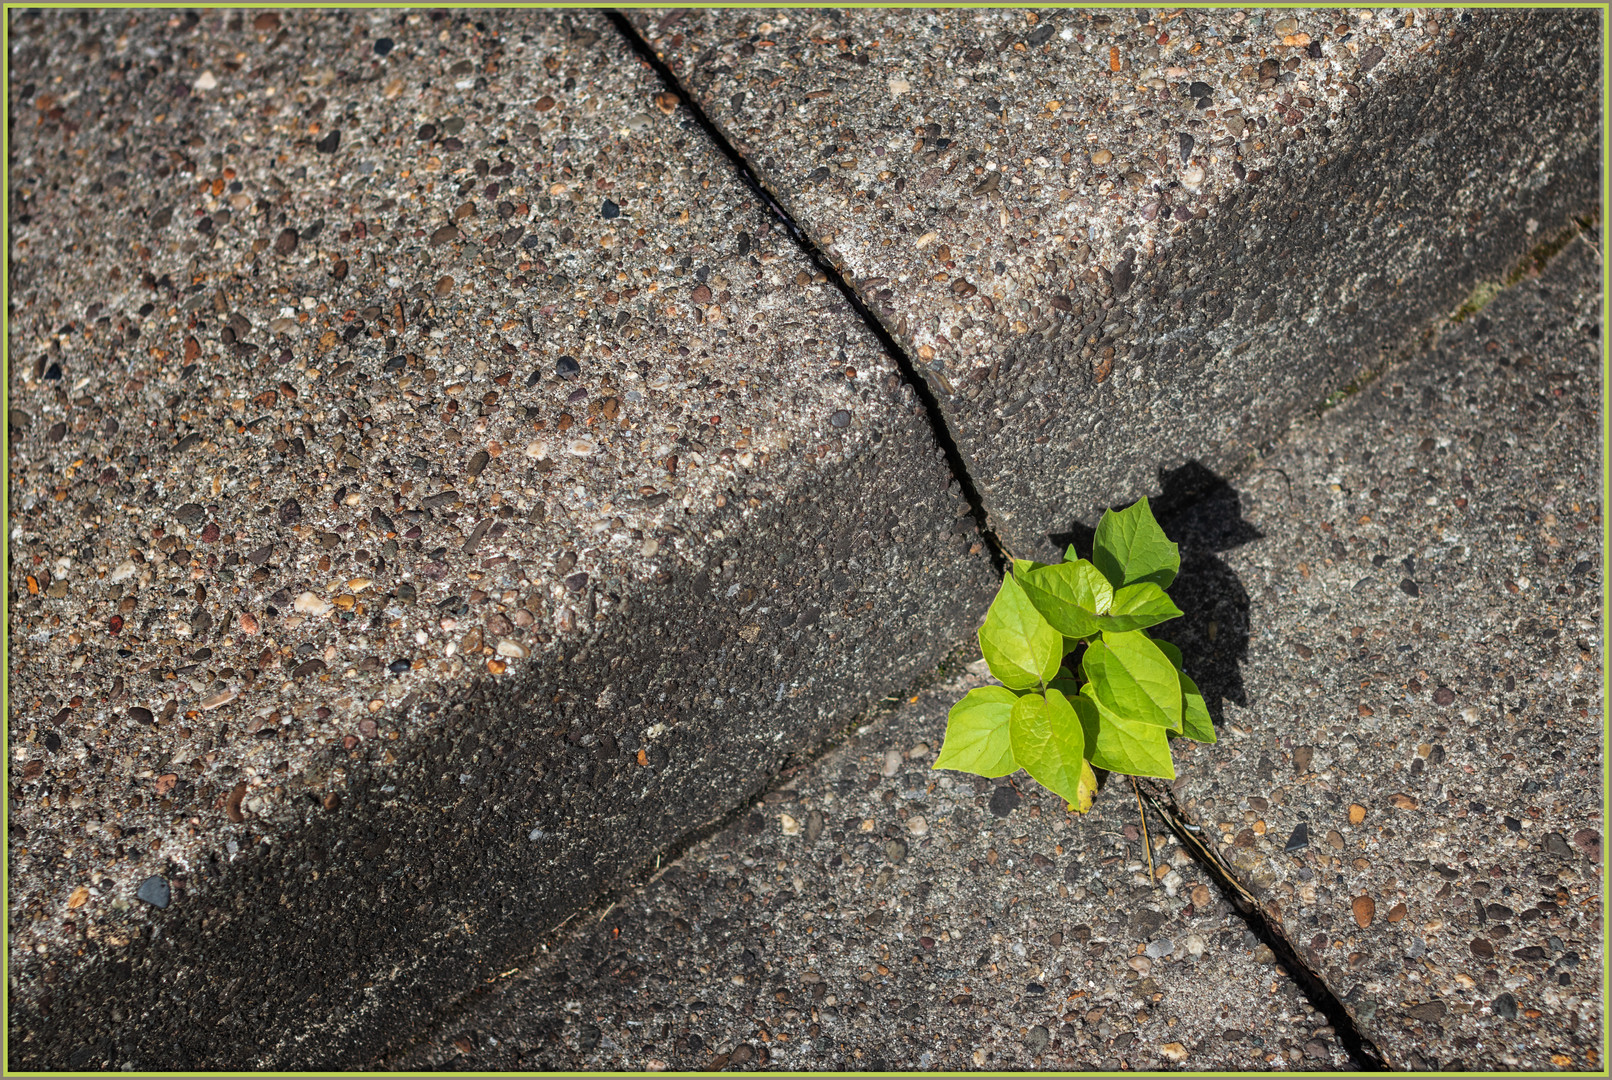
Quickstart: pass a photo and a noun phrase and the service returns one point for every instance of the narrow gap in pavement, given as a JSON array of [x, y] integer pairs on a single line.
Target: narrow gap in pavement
[[909, 372], [1362, 1052]]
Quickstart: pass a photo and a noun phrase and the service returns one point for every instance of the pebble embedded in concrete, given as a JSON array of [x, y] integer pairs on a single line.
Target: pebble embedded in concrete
[[291, 584], [1011, 943]]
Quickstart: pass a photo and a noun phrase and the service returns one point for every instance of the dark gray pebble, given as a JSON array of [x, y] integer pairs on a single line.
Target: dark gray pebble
[[154, 891]]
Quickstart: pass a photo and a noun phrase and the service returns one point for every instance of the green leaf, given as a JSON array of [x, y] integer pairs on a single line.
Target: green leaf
[[1196, 723], [1024, 566], [977, 739], [1020, 648], [1049, 743], [1069, 596], [1132, 749], [1130, 547], [1130, 679], [1136, 607], [1069, 554]]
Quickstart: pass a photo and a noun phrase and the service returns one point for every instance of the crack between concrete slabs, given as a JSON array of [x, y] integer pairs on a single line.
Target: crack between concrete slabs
[[635, 880], [1362, 1053], [956, 463]]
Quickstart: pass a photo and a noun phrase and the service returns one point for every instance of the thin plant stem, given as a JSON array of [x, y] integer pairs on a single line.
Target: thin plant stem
[[1152, 876]]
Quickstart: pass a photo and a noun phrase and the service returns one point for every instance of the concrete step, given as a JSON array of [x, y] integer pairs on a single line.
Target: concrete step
[[1409, 777], [1405, 787], [1116, 242], [872, 914], [437, 488]]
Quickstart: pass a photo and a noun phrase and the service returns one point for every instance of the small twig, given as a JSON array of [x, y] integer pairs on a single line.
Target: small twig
[[1152, 875]]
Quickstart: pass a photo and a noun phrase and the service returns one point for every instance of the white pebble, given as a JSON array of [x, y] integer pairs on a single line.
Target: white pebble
[[205, 81], [917, 825], [514, 649], [311, 604], [790, 825], [123, 572], [581, 447], [892, 762]]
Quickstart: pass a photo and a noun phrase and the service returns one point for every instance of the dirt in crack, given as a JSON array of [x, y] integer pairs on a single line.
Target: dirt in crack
[[1362, 1052], [1000, 557]]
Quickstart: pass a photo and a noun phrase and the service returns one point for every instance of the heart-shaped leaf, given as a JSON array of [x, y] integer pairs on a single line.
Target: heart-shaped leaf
[[1118, 746], [977, 739], [1021, 650], [1136, 607], [1070, 596], [1130, 679], [1130, 547], [1049, 742]]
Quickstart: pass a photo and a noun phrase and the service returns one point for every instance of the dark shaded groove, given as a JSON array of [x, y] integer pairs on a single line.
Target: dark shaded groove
[[920, 386], [1362, 1052], [642, 876]]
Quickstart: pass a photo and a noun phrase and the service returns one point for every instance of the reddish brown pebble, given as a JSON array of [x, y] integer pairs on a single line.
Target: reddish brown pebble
[[1364, 908], [232, 804]]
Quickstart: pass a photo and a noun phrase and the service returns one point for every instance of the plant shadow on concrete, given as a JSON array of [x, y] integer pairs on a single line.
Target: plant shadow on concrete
[[1202, 513]]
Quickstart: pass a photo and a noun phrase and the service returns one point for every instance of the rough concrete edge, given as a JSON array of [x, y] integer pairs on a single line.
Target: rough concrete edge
[[957, 458], [1415, 338], [1530, 264], [634, 880]]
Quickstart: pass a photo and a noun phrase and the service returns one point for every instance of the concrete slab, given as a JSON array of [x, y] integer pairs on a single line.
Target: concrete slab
[[874, 914], [1121, 241], [1411, 784], [435, 489]]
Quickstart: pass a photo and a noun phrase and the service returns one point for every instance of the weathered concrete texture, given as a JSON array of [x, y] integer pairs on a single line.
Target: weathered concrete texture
[[435, 490], [1413, 789], [1118, 241], [874, 914]]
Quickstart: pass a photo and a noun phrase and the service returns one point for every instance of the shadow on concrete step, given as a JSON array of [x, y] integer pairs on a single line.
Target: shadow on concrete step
[[1202, 513]]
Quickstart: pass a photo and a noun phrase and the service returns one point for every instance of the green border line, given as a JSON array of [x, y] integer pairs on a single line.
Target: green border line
[[5, 456]]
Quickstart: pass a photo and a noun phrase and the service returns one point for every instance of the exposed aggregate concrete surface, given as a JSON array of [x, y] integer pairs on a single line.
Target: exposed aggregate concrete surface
[[436, 488], [874, 914], [1412, 782], [1115, 241]]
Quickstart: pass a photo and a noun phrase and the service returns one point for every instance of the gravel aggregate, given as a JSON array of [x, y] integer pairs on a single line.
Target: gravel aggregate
[[1410, 772], [1118, 241], [874, 914], [436, 487]]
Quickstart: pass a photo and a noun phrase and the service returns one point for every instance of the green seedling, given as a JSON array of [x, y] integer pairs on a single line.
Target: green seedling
[[1130, 696]]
